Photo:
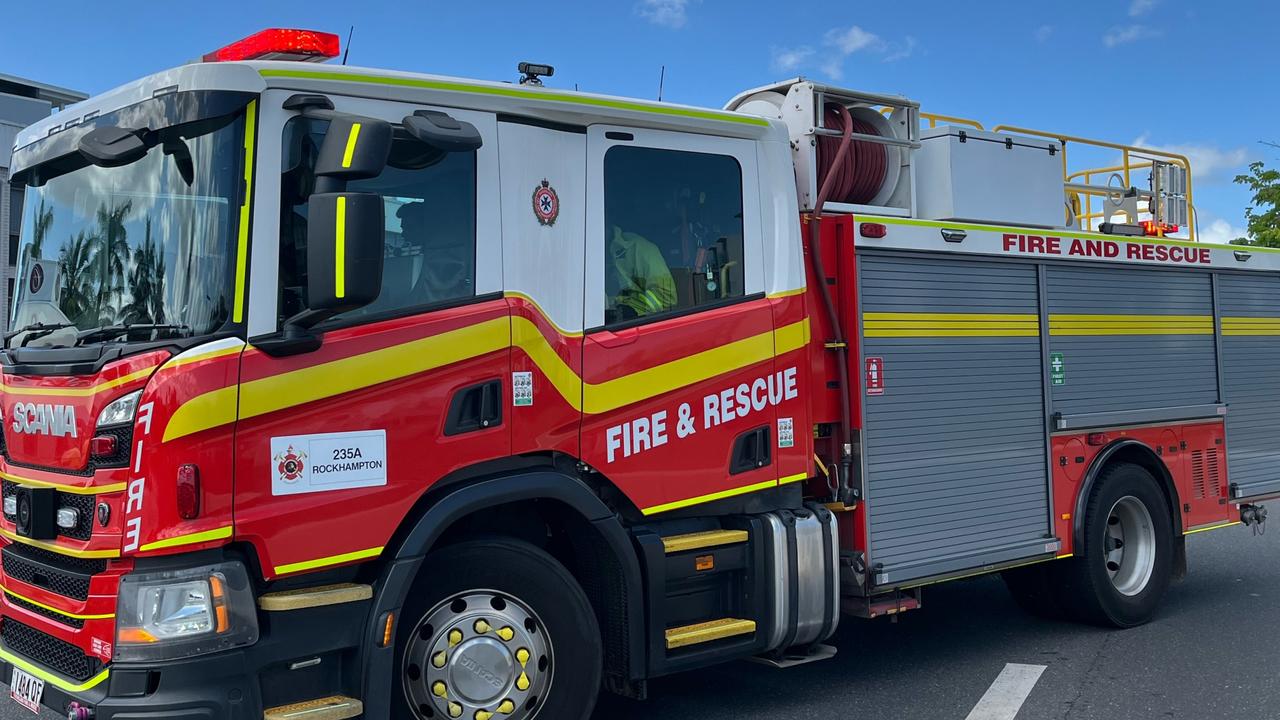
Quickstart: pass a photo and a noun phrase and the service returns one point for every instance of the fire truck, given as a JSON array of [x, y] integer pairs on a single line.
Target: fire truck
[[335, 392]]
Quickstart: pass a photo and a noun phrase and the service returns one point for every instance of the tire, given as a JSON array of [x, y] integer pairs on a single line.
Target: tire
[[475, 607], [1036, 590], [1120, 584]]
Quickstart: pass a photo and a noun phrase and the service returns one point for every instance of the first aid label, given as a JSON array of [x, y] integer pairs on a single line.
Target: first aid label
[[328, 461]]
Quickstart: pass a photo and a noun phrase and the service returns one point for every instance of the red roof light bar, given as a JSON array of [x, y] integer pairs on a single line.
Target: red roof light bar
[[280, 44]]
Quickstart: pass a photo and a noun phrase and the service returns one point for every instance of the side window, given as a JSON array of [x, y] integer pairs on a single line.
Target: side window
[[673, 231], [430, 205]]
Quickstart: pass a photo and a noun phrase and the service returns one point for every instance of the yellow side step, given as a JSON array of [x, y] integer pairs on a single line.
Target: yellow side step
[[708, 631], [336, 707], [315, 597], [704, 539]]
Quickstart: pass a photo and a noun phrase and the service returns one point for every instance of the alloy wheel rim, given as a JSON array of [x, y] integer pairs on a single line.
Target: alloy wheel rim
[[479, 655]]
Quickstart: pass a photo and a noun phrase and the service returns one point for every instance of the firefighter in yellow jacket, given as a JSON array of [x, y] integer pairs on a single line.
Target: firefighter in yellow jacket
[[639, 281]]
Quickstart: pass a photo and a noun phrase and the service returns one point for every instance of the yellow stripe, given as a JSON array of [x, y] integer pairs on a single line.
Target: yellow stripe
[[543, 313], [340, 245], [221, 533], [665, 507], [785, 293], [351, 145], [325, 561], [1251, 326], [94, 389], [180, 360], [242, 239], [210, 410], [906, 324], [72, 489], [791, 337], [50, 608], [700, 540], [526, 336], [1211, 527], [1063, 557], [1075, 325], [793, 478], [51, 547], [522, 94], [52, 679]]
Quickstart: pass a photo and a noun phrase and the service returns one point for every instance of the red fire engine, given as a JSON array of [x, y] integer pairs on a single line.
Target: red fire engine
[[333, 391]]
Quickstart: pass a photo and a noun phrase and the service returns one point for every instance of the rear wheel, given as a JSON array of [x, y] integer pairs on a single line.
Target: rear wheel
[[497, 628], [1124, 564]]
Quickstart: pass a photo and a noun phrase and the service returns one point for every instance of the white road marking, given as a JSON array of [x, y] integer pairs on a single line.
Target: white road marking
[[1005, 696]]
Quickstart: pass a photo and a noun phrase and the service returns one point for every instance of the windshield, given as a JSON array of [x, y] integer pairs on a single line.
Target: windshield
[[149, 243]]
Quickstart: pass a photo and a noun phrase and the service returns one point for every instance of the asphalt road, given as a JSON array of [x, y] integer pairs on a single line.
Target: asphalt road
[[1213, 652]]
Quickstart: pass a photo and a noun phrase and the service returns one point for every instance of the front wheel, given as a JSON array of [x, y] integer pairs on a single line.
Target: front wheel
[[497, 628], [1125, 561]]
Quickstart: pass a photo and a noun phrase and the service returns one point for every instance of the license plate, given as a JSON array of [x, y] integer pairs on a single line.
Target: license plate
[[26, 690]]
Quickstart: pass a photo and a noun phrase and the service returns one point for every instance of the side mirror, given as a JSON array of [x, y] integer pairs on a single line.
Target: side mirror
[[442, 131], [112, 146], [345, 239], [354, 148]]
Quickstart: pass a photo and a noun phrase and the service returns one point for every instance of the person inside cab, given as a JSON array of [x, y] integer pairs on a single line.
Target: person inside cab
[[638, 281], [436, 263]]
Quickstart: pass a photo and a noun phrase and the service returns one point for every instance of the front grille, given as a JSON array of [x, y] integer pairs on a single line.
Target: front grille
[[124, 448], [52, 615], [62, 657], [66, 576], [84, 506]]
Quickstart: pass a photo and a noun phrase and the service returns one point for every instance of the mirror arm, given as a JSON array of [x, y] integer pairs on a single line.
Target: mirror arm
[[296, 337]]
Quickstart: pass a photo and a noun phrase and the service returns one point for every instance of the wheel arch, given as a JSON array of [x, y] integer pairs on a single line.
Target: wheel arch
[[454, 504], [1126, 451]]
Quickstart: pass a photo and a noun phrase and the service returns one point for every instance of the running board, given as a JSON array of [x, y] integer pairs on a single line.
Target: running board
[[336, 707], [710, 631], [701, 540], [303, 598]]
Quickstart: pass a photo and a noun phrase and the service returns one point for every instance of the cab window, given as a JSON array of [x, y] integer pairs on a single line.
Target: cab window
[[429, 200], [673, 232]]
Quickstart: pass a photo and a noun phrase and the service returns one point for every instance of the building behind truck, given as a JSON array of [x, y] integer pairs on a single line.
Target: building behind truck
[[422, 397]]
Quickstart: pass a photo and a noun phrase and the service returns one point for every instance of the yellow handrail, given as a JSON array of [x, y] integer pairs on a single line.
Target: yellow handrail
[[933, 119]]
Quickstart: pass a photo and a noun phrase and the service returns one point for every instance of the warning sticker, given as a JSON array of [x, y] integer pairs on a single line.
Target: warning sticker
[[522, 389], [328, 461], [874, 375], [786, 433]]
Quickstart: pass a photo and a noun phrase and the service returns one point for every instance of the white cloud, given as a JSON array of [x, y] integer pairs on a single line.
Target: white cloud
[[901, 51], [789, 60], [1138, 8], [1043, 33], [1209, 163], [1220, 231], [668, 13], [852, 39], [1124, 34]]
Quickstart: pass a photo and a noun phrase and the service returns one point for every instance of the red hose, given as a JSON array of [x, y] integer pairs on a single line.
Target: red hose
[[859, 179]]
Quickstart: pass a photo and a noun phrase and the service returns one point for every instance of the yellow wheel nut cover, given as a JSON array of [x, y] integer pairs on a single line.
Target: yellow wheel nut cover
[[522, 657], [506, 707], [522, 682], [483, 715], [506, 634], [439, 659], [455, 637], [482, 627], [455, 710], [439, 689]]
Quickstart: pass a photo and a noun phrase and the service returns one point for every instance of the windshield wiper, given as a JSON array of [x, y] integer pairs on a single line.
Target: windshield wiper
[[35, 330], [107, 332]]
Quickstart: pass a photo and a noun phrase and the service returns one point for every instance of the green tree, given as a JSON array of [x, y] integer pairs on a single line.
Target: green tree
[[1263, 213]]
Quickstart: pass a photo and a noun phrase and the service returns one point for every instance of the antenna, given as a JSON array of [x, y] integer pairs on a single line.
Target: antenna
[[662, 78], [347, 49]]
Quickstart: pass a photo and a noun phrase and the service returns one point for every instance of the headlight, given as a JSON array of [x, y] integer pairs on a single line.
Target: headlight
[[181, 613], [120, 411]]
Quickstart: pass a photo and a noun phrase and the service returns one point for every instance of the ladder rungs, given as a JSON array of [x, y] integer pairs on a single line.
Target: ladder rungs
[[704, 539], [708, 631], [336, 707], [315, 597]]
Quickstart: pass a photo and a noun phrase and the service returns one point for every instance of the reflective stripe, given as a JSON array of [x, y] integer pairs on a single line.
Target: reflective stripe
[[326, 561], [221, 533], [55, 548], [242, 240], [793, 478], [908, 324], [72, 489], [52, 679], [1069, 325], [1251, 326], [340, 244], [94, 389], [351, 145], [665, 507], [50, 608]]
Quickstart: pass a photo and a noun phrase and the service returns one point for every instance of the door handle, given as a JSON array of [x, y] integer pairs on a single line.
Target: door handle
[[612, 339], [475, 407]]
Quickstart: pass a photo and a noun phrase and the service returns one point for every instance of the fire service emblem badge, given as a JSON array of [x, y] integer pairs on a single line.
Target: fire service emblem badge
[[546, 203], [291, 464]]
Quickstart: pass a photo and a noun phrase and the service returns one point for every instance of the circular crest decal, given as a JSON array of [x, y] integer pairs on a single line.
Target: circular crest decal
[[290, 464], [37, 278], [546, 203]]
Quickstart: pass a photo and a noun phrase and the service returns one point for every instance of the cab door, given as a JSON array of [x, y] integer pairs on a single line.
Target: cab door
[[335, 445], [678, 353]]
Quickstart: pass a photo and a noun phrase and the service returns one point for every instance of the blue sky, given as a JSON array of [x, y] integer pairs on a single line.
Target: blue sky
[[1191, 76]]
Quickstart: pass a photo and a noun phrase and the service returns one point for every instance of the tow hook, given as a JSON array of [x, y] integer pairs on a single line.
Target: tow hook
[[76, 711], [1255, 515]]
